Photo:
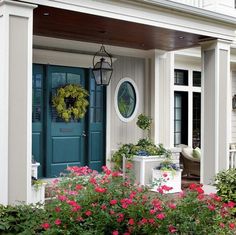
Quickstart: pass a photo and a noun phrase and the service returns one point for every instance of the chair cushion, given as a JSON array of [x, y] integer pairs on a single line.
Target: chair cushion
[[197, 153], [188, 151]]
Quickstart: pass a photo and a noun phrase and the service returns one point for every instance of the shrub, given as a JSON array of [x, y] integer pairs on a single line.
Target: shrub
[[90, 203], [85, 202], [225, 182], [21, 219]]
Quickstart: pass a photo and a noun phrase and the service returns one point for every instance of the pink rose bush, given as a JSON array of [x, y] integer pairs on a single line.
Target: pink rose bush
[[85, 202]]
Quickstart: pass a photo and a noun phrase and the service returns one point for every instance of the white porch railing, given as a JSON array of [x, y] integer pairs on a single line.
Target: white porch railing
[[232, 158]]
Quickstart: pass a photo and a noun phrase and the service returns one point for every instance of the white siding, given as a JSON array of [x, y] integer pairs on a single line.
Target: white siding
[[226, 7], [195, 3], [233, 128], [126, 132]]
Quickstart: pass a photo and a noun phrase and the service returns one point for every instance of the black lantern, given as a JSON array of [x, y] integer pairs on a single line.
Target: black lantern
[[234, 102], [102, 70]]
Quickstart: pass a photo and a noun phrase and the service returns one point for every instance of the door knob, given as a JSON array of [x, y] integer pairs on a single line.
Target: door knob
[[83, 134]]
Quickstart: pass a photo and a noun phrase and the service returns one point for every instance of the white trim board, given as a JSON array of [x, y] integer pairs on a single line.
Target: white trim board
[[202, 22], [63, 58]]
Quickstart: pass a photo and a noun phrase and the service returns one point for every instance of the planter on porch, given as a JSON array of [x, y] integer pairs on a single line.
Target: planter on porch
[[38, 193], [143, 165], [169, 178], [34, 169], [38, 186]]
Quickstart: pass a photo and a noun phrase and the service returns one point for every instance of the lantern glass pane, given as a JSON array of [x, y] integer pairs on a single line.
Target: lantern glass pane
[[97, 76]]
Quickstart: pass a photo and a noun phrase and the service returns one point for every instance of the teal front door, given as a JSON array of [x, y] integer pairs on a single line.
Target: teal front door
[[64, 144], [65, 140]]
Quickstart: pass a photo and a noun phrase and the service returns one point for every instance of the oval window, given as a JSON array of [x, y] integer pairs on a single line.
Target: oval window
[[126, 99]]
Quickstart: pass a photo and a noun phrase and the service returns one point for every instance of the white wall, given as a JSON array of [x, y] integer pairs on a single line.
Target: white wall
[[226, 7], [126, 132], [233, 121], [195, 3]]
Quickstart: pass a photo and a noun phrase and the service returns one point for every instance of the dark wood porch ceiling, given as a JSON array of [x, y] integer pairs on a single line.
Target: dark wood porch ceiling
[[59, 23]]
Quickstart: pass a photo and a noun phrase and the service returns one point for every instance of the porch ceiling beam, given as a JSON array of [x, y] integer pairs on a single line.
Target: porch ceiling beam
[[153, 13]]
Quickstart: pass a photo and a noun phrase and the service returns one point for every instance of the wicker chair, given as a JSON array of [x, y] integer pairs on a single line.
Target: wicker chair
[[191, 165]]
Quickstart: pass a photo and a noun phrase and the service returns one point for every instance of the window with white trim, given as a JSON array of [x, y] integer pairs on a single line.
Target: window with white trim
[[126, 99], [187, 107]]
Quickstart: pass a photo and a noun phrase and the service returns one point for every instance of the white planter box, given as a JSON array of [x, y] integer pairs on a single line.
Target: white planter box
[[143, 165], [173, 179], [38, 193], [34, 169]]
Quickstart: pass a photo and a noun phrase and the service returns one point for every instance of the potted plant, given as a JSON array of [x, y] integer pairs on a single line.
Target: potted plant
[[37, 191], [166, 178], [144, 155], [144, 122], [34, 169]]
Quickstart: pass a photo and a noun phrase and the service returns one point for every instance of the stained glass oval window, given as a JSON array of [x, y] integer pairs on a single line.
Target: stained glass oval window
[[126, 99]]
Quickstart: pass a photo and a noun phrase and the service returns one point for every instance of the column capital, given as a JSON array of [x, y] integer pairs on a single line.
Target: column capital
[[220, 43], [156, 52], [16, 3], [8, 7]]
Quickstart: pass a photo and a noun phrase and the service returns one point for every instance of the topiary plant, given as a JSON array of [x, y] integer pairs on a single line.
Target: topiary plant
[[144, 122]]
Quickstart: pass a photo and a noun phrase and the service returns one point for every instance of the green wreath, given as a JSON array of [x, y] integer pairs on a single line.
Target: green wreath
[[70, 102]]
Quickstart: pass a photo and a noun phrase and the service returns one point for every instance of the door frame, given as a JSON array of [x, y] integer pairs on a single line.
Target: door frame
[[45, 122]]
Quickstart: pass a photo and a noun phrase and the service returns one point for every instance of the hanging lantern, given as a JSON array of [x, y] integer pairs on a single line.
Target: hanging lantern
[[102, 70]]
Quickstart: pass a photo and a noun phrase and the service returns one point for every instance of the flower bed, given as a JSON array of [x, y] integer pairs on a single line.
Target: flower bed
[[108, 204], [90, 203]]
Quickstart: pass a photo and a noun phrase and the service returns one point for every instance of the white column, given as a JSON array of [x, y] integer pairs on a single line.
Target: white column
[[215, 108], [162, 97], [15, 101]]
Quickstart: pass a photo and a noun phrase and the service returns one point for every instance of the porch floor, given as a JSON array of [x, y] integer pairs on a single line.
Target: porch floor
[[186, 181]]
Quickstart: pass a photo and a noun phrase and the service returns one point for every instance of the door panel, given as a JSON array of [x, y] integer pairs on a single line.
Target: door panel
[[37, 116], [96, 127], [65, 140], [61, 147]]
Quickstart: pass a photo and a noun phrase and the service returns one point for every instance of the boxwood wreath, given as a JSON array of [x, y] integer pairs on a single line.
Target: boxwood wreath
[[70, 102]]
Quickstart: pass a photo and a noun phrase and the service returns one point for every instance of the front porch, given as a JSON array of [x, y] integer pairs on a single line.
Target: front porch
[[141, 37]]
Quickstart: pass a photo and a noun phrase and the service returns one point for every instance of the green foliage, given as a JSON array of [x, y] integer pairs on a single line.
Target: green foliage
[[85, 202], [144, 147], [20, 219], [126, 151], [144, 122], [37, 183], [90, 203], [225, 182], [77, 108]]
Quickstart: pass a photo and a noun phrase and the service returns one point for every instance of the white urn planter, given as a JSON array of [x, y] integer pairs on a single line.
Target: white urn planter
[[38, 186], [170, 178], [143, 165], [38, 193]]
